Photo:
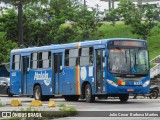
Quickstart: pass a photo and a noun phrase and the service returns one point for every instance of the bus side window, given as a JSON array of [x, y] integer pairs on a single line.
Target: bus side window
[[86, 56], [40, 60], [34, 60], [72, 57], [16, 62], [67, 58], [91, 56], [46, 59]]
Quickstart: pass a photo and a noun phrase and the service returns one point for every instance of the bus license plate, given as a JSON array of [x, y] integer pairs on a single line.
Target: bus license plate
[[130, 90]]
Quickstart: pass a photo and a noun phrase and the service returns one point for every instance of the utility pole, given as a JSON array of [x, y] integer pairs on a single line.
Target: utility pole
[[97, 7], [109, 4], [84, 3], [20, 24], [113, 4]]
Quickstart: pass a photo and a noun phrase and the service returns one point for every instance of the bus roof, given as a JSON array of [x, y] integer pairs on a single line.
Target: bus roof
[[69, 45]]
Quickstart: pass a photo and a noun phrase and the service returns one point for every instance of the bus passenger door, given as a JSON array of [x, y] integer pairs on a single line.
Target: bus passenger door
[[24, 68], [99, 69], [57, 71]]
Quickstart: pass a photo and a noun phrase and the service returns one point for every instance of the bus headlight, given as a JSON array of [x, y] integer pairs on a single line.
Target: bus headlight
[[112, 83], [146, 83]]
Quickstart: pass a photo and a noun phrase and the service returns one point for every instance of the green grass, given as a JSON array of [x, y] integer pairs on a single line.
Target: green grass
[[154, 42], [124, 31], [118, 31]]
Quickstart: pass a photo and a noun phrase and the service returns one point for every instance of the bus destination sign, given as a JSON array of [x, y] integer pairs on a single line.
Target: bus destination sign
[[129, 43]]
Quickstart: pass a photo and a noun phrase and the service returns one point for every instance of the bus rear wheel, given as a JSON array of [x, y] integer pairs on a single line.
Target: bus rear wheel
[[38, 94], [88, 94], [123, 97]]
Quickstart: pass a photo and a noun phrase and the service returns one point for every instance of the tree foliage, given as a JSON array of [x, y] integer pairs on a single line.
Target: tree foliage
[[85, 23], [43, 21], [8, 24], [141, 19], [5, 47], [46, 22]]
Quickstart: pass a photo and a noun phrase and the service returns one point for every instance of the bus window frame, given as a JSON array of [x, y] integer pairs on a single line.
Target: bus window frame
[[50, 60], [78, 61], [77, 58], [90, 47], [16, 62]]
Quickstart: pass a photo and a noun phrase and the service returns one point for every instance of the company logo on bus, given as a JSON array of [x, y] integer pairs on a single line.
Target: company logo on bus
[[42, 76]]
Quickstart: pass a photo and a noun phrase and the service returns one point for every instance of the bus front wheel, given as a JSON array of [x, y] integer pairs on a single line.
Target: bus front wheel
[[88, 94], [123, 97]]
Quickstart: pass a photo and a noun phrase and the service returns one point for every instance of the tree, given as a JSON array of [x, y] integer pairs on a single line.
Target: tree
[[85, 24], [112, 15], [5, 47], [43, 21], [140, 19], [144, 20], [8, 24], [126, 9]]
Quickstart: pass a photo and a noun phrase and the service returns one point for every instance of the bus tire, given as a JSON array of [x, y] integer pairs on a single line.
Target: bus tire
[[37, 93], [155, 94], [123, 97], [88, 94], [9, 93]]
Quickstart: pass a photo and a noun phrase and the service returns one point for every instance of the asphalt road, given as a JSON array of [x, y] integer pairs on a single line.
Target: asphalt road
[[110, 106]]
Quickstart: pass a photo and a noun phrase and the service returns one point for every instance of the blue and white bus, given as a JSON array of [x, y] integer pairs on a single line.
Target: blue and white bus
[[100, 68]]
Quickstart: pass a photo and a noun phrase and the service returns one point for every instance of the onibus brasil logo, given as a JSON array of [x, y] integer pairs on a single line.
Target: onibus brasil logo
[[42, 76]]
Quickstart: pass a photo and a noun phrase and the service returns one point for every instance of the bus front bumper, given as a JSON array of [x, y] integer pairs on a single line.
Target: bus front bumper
[[127, 89]]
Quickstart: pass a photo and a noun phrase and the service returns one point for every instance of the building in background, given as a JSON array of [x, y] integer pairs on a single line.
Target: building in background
[[113, 3]]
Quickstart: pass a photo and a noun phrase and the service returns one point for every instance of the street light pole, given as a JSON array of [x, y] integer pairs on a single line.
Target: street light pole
[[20, 24]]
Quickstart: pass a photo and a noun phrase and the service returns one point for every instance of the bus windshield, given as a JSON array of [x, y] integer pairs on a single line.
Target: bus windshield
[[128, 61]]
